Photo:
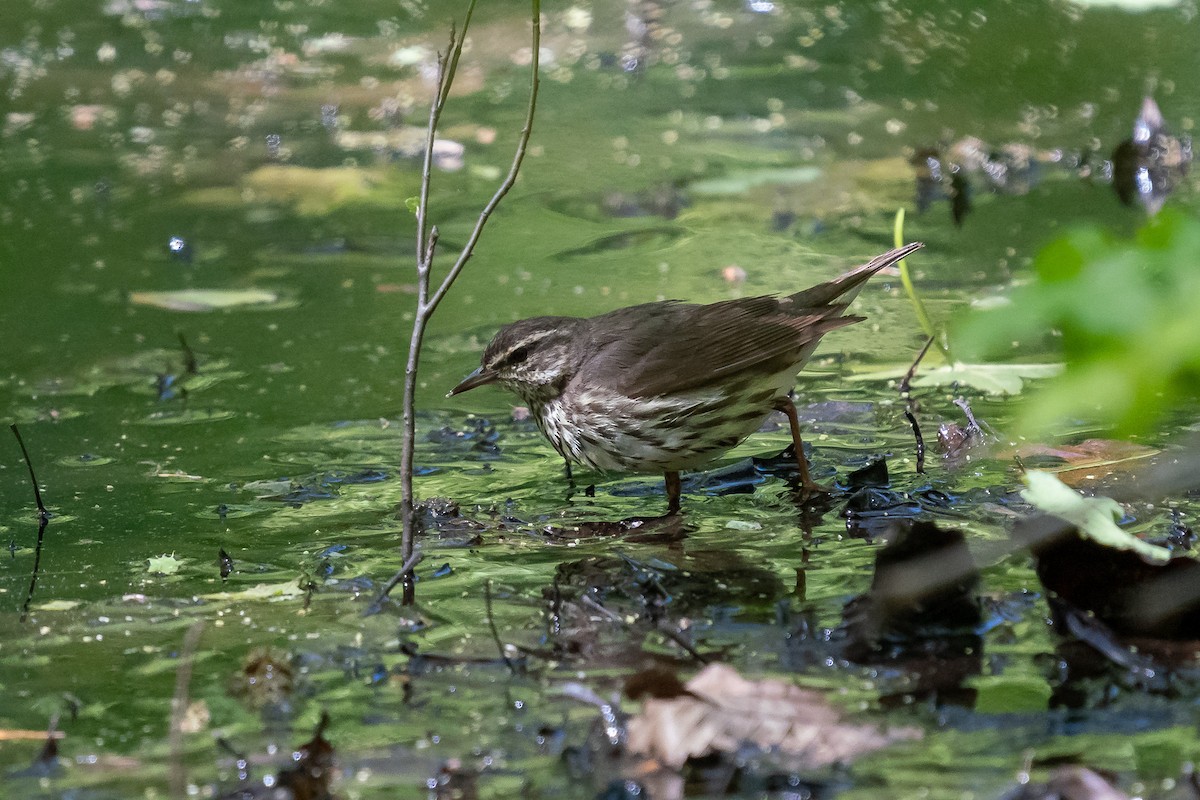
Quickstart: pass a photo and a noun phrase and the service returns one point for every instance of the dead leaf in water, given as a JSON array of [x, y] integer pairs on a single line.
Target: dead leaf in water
[[723, 712], [1091, 460]]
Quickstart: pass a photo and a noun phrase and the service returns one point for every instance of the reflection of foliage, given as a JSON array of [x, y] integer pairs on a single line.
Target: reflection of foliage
[[1126, 315]]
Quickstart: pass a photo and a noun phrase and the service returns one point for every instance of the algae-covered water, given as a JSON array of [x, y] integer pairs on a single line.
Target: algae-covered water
[[228, 182]]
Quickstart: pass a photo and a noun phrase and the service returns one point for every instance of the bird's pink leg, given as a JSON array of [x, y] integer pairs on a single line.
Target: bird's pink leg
[[786, 405]]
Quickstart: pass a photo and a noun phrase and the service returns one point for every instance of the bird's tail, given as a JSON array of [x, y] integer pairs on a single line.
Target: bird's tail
[[844, 287]]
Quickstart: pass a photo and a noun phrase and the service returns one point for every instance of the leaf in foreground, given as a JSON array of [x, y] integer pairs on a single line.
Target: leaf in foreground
[[723, 712], [1095, 517], [1123, 315]]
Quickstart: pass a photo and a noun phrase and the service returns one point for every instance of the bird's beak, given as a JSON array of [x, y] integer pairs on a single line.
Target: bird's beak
[[477, 378]]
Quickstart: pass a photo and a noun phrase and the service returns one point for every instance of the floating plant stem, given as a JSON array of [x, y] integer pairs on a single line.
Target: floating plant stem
[[919, 307]]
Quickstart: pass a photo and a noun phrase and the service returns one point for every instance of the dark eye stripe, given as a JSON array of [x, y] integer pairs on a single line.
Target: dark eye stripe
[[518, 355]]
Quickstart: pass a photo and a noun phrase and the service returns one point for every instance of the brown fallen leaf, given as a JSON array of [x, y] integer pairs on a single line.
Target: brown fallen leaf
[[1069, 783], [1091, 460], [723, 712]]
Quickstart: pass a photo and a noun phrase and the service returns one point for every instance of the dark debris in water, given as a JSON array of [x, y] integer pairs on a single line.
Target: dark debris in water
[[922, 614], [442, 517], [265, 680], [1151, 163], [478, 438], [606, 607], [321, 486], [1132, 596], [1144, 169], [308, 777]]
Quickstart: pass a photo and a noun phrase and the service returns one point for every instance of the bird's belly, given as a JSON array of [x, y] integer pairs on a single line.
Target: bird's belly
[[659, 434]]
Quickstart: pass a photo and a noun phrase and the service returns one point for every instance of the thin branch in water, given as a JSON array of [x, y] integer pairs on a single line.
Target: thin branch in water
[[511, 178], [425, 247], [190, 366], [906, 381], [179, 705], [910, 410], [982, 428], [37, 493], [594, 604], [487, 598], [43, 521], [678, 638], [404, 573], [916, 429]]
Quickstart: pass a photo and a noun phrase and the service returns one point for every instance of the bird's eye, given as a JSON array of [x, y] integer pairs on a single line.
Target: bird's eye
[[518, 355]]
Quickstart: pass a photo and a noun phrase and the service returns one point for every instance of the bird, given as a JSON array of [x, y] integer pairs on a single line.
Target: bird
[[669, 386]]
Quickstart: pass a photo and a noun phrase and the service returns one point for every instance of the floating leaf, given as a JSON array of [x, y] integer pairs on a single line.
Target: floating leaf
[[739, 182], [164, 565], [1095, 517], [263, 591], [203, 299], [315, 192], [993, 379], [58, 605]]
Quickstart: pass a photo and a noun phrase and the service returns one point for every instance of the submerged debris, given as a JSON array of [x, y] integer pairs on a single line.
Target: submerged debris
[[1148, 166], [265, 679], [721, 712]]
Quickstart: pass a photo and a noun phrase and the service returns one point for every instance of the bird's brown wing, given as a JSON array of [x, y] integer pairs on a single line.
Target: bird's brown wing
[[661, 348], [647, 351]]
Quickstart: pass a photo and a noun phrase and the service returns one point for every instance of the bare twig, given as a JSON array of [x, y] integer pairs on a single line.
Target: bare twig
[[427, 237], [405, 573], [591, 603], [37, 493], [910, 409], [487, 597], [906, 381], [179, 706], [916, 429], [43, 521], [679, 639], [510, 179]]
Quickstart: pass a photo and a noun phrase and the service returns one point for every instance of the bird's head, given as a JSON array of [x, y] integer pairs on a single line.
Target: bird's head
[[533, 357]]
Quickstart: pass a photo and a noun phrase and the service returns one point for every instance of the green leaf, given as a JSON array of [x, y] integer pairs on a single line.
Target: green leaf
[[1094, 517], [164, 565], [412, 204], [1123, 314]]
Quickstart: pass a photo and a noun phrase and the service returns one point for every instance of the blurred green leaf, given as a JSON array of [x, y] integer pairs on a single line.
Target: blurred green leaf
[[1123, 313], [1094, 517]]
